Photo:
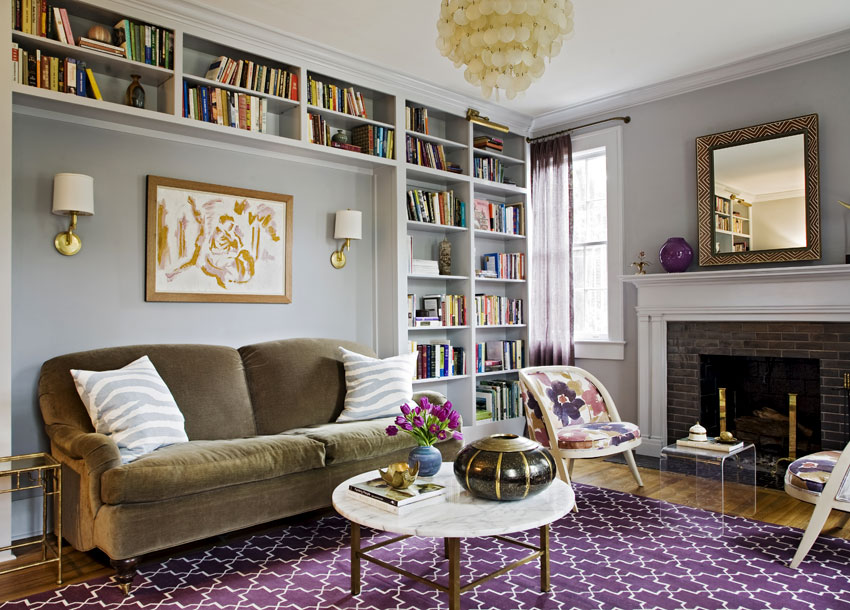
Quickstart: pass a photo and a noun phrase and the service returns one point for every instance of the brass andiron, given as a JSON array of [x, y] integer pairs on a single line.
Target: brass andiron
[[792, 434], [721, 407]]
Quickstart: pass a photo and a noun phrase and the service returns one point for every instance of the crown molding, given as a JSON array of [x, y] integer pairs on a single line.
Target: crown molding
[[817, 48], [243, 33]]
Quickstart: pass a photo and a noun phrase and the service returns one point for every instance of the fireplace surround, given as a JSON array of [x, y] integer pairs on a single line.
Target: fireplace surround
[[800, 312]]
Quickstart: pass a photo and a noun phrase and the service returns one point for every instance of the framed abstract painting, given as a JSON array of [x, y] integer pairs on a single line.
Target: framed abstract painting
[[217, 244]]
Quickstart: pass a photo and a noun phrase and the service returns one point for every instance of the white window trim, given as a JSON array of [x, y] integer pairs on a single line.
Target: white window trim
[[612, 348]]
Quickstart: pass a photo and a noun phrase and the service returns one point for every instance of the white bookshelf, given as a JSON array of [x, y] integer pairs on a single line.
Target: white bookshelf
[[288, 136]]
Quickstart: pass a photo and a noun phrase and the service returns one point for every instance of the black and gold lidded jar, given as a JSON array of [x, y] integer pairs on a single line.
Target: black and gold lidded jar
[[504, 467]]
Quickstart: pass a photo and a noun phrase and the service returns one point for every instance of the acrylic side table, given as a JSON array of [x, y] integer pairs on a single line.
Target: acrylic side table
[[37, 471], [717, 481]]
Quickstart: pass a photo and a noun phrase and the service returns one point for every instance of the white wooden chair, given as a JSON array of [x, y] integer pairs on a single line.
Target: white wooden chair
[[822, 479], [569, 411]]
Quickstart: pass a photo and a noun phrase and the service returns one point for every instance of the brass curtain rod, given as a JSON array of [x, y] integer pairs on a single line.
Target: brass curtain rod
[[625, 119]]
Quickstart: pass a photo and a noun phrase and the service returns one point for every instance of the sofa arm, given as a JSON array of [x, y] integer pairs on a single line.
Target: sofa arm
[[98, 450], [434, 398]]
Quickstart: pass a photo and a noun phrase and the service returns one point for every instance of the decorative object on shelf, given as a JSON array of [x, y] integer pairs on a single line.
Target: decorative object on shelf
[[347, 226], [135, 95], [503, 43], [399, 475], [641, 263], [445, 258], [340, 137], [73, 195], [99, 32], [697, 433], [676, 255], [473, 116], [726, 437], [427, 423], [504, 467], [234, 245]]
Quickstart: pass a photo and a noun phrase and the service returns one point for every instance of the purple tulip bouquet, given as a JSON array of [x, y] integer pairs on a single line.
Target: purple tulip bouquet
[[427, 423]]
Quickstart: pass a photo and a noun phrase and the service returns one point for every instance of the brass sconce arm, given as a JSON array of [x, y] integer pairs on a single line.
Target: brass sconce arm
[[68, 243], [338, 256]]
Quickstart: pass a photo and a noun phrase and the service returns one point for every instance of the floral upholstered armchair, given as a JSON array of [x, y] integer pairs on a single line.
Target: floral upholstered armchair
[[569, 411], [823, 479]]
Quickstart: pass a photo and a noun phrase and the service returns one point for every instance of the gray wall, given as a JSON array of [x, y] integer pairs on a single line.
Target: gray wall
[[96, 298], [660, 174]]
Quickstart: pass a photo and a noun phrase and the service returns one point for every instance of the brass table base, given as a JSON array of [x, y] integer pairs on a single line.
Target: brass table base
[[452, 552]]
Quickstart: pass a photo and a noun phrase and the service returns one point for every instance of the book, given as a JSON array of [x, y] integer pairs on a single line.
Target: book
[[101, 47], [710, 445], [93, 84], [390, 499]]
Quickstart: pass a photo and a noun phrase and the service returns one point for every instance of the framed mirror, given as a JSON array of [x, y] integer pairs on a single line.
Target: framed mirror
[[757, 194]]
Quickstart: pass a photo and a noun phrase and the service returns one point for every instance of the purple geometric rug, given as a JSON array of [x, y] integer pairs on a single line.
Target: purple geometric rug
[[616, 553]]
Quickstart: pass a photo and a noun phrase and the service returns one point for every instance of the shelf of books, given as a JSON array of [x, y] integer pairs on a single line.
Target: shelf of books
[[82, 50], [435, 139], [344, 115], [231, 88], [498, 157]]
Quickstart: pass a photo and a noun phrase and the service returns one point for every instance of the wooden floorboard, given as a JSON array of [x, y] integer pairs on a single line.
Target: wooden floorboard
[[773, 506]]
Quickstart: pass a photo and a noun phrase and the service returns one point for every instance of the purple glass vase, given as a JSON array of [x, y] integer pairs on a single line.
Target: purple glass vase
[[676, 255]]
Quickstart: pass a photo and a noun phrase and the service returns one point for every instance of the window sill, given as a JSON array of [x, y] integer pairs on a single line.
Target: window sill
[[600, 350]]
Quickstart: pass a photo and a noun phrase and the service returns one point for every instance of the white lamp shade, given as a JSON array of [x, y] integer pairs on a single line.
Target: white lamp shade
[[348, 224], [73, 193]]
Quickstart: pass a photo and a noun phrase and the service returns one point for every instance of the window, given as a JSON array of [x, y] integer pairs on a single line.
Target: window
[[597, 239]]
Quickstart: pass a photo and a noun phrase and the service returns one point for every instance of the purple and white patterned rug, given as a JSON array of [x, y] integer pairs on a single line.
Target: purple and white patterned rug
[[615, 553]]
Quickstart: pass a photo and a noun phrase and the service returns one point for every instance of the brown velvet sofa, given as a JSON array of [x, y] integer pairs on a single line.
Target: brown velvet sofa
[[262, 445]]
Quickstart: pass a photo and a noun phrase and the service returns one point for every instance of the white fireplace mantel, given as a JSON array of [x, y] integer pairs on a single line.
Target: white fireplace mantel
[[818, 293]]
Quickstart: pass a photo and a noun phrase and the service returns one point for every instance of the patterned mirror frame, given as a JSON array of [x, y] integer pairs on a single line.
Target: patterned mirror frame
[[705, 146]]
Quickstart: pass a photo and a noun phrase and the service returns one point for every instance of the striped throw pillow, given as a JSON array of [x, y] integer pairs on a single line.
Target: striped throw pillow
[[376, 388], [133, 406]]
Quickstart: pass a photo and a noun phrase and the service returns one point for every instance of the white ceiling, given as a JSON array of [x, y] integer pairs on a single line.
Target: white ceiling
[[617, 45], [763, 168]]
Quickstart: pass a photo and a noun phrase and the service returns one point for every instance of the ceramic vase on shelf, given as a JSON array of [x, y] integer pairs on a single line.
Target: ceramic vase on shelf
[[135, 95], [340, 137], [429, 457], [676, 255], [504, 467]]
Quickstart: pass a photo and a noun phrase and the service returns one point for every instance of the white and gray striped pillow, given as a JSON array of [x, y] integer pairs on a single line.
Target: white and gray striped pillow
[[133, 406], [374, 387]]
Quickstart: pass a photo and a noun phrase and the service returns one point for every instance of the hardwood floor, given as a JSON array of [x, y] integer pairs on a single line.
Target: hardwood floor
[[773, 506]]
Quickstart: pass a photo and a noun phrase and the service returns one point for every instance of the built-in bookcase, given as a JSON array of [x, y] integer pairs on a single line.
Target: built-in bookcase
[[289, 130]]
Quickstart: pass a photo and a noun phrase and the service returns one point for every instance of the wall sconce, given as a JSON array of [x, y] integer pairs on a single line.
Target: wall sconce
[[73, 195], [348, 226], [473, 116]]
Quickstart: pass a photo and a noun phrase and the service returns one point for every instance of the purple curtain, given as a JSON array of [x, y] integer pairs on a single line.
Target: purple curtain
[[551, 298]]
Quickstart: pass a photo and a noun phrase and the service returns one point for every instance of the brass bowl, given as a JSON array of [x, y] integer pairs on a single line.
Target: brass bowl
[[399, 475]]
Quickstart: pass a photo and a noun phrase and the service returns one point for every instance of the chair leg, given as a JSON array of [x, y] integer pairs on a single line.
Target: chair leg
[[570, 464], [816, 523], [630, 460]]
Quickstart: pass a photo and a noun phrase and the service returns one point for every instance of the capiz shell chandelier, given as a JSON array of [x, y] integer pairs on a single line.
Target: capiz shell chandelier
[[503, 43]]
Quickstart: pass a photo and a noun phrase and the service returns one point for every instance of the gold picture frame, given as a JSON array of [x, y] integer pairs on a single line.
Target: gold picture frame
[[807, 126], [208, 243]]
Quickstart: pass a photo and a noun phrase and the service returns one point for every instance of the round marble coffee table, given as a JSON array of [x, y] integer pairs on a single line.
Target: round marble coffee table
[[458, 515]]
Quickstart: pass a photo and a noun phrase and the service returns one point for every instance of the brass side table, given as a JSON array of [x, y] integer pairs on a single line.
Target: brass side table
[[37, 471]]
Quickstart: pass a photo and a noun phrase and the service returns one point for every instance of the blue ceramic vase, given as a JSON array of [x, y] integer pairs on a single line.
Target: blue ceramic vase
[[430, 459]]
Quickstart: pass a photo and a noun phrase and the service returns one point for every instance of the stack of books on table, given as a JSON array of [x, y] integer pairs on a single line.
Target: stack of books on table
[[377, 493], [422, 266], [710, 445]]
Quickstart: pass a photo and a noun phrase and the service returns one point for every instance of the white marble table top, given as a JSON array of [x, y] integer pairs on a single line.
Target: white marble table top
[[460, 514]]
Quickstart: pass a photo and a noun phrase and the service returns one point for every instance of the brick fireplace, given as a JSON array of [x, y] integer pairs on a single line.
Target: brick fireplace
[[761, 347], [793, 312]]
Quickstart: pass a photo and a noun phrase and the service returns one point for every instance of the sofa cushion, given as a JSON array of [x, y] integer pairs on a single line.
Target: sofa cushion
[[357, 440], [207, 382], [375, 387], [198, 466], [296, 382], [133, 406]]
